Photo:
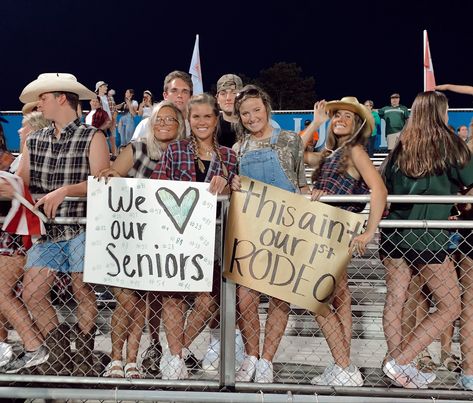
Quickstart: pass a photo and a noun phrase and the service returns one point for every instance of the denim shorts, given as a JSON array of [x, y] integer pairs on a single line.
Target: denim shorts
[[63, 256]]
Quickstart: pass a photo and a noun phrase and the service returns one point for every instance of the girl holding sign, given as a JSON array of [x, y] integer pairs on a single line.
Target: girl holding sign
[[263, 149], [138, 160], [344, 167], [198, 159]]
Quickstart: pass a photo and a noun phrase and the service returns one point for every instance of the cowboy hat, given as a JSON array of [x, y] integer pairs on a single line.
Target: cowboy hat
[[54, 82], [352, 104], [29, 107]]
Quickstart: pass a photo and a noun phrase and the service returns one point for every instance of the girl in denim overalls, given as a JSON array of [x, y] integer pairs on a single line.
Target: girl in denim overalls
[[274, 157], [344, 167]]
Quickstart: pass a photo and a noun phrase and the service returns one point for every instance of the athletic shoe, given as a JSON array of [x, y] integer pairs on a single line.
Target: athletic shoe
[[247, 370], [239, 350], [407, 376], [335, 375], [264, 371], [466, 381], [151, 357], [173, 367], [6, 353], [211, 359], [28, 359]]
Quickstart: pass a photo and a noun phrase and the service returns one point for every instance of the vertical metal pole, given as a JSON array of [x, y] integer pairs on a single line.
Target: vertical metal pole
[[227, 318]]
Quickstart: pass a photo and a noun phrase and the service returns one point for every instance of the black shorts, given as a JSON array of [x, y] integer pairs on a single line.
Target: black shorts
[[411, 256]]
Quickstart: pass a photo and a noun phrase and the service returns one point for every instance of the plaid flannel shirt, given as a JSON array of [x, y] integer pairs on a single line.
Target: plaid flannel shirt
[[57, 162], [178, 163]]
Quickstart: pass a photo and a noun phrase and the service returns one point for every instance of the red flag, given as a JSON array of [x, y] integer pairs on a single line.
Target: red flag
[[429, 78], [20, 219]]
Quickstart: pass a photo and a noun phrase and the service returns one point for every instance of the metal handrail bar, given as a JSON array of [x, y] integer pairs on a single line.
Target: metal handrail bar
[[427, 199]]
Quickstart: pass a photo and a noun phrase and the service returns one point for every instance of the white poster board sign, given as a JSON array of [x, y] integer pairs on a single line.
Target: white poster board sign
[[147, 234]]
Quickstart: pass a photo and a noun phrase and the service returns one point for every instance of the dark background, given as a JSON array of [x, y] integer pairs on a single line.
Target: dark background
[[362, 48]]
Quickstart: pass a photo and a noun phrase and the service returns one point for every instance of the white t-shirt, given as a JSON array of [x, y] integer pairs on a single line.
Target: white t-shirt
[[105, 105], [88, 118]]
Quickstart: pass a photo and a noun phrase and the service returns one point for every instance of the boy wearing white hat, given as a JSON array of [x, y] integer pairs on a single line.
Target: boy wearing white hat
[[56, 162]]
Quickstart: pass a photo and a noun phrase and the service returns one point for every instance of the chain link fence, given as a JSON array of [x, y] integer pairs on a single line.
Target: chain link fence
[[134, 342]]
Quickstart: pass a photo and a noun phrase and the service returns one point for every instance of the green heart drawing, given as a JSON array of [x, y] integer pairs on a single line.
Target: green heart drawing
[[178, 209]]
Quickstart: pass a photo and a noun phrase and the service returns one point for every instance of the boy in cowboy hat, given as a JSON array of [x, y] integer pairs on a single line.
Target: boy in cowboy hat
[[56, 162]]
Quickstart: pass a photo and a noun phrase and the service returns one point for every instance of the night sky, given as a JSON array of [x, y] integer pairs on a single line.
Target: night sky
[[361, 48]]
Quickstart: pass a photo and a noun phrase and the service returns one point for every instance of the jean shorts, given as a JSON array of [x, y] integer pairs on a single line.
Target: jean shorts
[[63, 256]]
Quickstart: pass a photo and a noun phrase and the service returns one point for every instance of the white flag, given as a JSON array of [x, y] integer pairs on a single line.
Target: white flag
[[195, 70]]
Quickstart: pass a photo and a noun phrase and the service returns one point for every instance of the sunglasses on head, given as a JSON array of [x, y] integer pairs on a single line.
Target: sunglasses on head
[[249, 92]]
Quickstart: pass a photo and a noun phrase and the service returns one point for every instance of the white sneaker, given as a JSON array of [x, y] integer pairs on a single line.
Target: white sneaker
[[6, 353], [264, 371], [335, 375], [322, 379], [239, 350], [211, 359], [407, 376], [247, 370], [173, 367]]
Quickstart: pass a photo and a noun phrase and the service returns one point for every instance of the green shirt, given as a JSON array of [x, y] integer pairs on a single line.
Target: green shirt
[[395, 117], [446, 184]]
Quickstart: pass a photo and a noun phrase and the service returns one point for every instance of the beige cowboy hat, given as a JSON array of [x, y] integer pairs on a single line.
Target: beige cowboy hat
[[29, 107], [54, 82], [352, 104]]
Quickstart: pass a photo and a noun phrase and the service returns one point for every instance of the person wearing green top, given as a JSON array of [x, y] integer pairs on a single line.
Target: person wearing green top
[[428, 160], [372, 146], [395, 116]]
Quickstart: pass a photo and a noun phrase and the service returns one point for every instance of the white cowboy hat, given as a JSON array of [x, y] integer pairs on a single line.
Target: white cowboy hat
[[54, 82]]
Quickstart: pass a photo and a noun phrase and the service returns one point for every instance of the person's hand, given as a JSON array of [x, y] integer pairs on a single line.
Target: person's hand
[[236, 184], [441, 87], [6, 190], [106, 174], [51, 202], [217, 185], [320, 114], [358, 244], [317, 194]]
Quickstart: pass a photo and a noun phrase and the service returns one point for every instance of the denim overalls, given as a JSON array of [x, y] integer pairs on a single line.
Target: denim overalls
[[263, 165]]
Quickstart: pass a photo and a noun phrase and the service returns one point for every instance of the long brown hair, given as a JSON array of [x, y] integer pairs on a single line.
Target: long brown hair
[[333, 143], [206, 99], [428, 146]]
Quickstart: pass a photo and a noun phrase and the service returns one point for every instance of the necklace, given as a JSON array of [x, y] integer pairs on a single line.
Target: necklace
[[206, 152]]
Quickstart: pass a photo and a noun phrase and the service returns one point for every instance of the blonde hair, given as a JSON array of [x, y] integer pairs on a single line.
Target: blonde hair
[[36, 121], [155, 150]]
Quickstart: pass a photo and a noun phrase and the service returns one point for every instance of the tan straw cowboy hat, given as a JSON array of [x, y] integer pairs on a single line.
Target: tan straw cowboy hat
[[352, 104]]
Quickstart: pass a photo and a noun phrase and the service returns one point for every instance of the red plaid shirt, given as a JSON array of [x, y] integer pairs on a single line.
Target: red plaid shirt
[[178, 163]]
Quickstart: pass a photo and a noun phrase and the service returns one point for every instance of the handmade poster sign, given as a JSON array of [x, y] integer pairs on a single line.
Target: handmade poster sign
[[286, 246], [151, 235]]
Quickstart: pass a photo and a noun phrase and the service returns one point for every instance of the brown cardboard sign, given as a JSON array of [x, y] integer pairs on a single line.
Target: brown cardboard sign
[[286, 246]]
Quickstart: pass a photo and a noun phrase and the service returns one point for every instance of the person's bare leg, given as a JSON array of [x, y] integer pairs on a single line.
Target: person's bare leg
[[398, 276], [86, 303], [205, 306], [278, 314], [466, 317], [174, 310], [11, 307], [155, 306], [248, 319], [342, 305], [443, 283], [37, 283], [120, 323], [409, 311], [137, 321]]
